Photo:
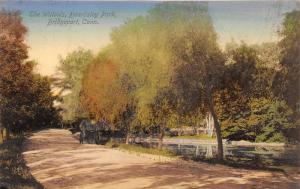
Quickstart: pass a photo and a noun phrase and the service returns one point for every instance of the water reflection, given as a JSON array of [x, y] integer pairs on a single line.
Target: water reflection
[[251, 156]]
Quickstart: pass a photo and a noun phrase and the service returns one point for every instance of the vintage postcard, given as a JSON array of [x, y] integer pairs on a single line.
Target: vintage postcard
[[149, 94]]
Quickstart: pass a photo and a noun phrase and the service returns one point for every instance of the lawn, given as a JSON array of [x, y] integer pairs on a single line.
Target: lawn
[[140, 149], [199, 137]]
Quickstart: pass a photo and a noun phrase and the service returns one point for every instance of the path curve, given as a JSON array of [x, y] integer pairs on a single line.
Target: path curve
[[57, 160]]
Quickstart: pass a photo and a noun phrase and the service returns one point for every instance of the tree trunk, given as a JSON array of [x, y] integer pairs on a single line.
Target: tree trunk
[[6, 134], [1, 128], [127, 135], [220, 155], [161, 137], [209, 124], [1, 135]]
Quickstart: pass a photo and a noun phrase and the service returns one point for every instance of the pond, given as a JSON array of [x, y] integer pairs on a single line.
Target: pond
[[256, 157]]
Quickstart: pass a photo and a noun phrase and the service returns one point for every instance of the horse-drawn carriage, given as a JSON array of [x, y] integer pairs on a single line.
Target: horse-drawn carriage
[[98, 133]]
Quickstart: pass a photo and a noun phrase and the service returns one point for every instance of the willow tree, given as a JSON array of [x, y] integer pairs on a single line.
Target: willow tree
[[199, 68], [196, 60], [72, 67], [174, 43], [140, 47], [106, 95]]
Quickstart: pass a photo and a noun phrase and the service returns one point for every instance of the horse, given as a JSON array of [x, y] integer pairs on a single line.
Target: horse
[[93, 133]]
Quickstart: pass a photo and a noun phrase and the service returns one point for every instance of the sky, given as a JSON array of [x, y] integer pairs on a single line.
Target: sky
[[92, 21]]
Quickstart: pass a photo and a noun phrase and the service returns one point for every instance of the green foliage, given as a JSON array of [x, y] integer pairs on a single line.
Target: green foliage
[[43, 112], [170, 53], [265, 120], [72, 68], [140, 48], [248, 108], [287, 83], [146, 49]]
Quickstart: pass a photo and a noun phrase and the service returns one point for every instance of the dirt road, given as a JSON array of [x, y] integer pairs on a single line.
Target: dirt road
[[57, 160]]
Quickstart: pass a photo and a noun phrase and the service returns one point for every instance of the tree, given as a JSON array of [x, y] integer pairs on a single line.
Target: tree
[[287, 83], [107, 96], [184, 35], [262, 120], [249, 110], [200, 67], [72, 70], [25, 97], [42, 104], [140, 48], [13, 52], [174, 41]]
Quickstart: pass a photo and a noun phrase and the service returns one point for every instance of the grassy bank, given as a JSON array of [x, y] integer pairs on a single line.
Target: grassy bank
[[231, 161], [13, 171], [140, 149], [198, 137]]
